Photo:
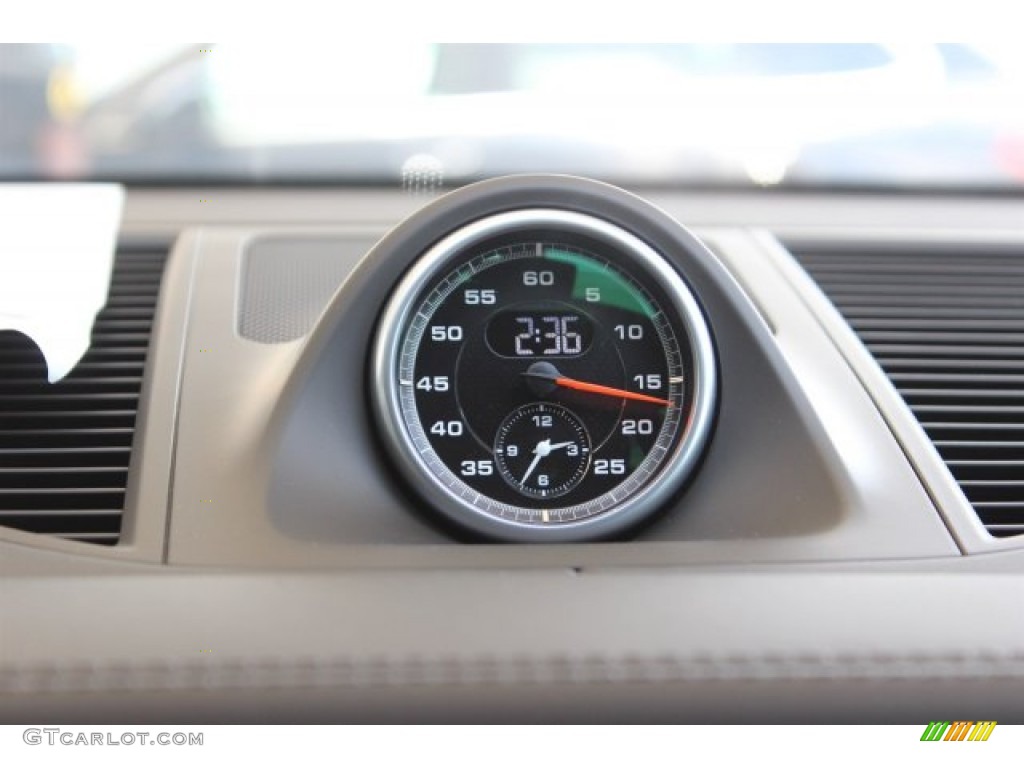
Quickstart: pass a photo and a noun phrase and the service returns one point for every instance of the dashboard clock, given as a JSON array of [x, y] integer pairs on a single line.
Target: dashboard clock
[[544, 375]]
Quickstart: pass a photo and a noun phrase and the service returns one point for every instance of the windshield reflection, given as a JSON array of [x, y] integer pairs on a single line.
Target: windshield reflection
[[748, 114]]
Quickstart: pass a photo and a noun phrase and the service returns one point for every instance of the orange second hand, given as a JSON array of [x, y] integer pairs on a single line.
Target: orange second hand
[[599, 389]]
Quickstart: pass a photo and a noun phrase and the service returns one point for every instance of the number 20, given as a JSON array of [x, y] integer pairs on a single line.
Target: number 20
[[637, 426]]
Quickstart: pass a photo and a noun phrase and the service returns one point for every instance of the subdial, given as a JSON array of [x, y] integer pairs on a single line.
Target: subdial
[[542, 450]]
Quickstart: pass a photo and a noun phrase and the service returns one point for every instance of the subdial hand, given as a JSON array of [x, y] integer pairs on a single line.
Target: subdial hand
[[556, 446], [543, 449]]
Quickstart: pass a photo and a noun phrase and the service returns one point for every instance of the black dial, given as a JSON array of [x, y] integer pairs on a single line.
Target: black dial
[[546, 376]]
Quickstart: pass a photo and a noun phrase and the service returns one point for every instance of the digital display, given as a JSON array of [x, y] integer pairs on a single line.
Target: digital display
[[539, 334]]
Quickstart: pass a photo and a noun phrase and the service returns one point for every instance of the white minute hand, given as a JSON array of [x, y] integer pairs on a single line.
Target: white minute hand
[[537, 456]]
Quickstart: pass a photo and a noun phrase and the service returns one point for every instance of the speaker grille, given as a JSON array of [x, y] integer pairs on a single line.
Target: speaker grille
[[287, 284]]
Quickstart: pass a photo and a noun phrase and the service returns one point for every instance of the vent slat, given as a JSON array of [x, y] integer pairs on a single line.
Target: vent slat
[[123, 326], [1004, 530], [27, 352], [108, 539], [95, 530], [12, 408], [857, 311], [974, 431], [930, 325], [988, 444], [72, 458], [929, 415], [939, 337], [82, 370], [1013, 466], [143, 312], [864, 262], [52, 513], [64, 471], [944, 364], [929, 298], [16, 499], [967, 290], [14, 479], [948, 329], [962, 395], [993, 484], [10, 419], [952, 352], [65, 448], [848, 276], [960, 379], [131, 301], [76, 384], [126, 339], [996, 470]]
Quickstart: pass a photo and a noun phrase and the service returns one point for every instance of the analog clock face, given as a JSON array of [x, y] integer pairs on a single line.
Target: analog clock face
[[544, 375]]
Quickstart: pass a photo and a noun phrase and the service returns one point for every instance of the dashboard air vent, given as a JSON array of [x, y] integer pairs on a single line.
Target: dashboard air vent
[[65, 447], [947, 326]]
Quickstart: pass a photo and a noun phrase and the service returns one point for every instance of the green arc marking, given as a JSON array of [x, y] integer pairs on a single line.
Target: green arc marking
[[614, 290]]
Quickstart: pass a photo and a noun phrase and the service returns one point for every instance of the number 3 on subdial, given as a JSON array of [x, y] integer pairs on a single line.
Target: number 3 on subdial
[[542, 450]]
